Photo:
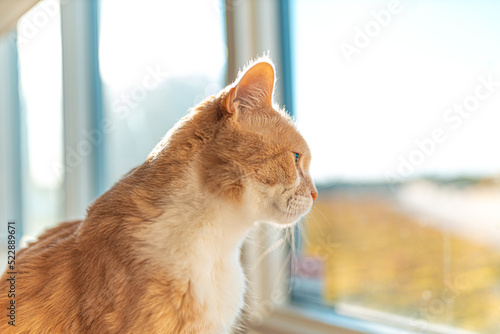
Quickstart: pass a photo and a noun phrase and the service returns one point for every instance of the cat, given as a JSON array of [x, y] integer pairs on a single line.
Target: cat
[[160, 251]]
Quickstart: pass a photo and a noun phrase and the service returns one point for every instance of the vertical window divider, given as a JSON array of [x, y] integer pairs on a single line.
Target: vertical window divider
[[82, 105]]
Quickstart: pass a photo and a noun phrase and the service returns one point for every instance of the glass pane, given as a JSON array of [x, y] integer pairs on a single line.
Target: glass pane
[[157, 59], [40, 87], [399, 102]]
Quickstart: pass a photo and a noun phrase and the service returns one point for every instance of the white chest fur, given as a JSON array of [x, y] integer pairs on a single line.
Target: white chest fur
[[205, 252], [219, 283]]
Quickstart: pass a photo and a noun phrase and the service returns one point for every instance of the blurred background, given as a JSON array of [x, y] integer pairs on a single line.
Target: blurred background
[[399, 101]]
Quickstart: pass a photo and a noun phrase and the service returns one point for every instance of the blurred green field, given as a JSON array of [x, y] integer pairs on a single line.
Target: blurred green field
[[377, 256]]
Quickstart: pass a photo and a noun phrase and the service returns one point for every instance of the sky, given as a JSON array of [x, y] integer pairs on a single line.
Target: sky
[[132, 38], [364, 114], [40, 79]]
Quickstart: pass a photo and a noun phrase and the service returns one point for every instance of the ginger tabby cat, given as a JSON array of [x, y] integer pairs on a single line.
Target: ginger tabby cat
[[159, 252]]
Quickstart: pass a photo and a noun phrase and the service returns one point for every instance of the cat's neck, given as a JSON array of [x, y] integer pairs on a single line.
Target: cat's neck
[[195, 223], [193, 227]]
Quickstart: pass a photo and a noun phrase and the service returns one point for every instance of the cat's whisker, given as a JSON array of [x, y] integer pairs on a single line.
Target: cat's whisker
[[287, 235], [290, 240], [322, 214], [293, 266], [302, 233], [271, 249], [281, 272]]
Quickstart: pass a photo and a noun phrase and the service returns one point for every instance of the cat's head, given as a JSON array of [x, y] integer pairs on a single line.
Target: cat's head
[[257, 157]]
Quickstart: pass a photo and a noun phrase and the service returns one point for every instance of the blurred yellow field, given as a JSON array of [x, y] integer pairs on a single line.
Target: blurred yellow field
[[377, 255]]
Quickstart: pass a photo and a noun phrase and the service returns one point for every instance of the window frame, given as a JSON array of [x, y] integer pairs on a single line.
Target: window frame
[[10, 147], [81, 102]]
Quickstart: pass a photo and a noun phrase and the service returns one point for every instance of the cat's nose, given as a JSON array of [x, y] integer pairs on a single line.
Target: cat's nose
[[314, 195]]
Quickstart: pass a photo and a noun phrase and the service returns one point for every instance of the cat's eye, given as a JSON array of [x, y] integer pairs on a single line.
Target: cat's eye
[[297, 156]]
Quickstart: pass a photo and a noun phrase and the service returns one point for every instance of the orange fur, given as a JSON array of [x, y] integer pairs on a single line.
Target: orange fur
[[122, 268]]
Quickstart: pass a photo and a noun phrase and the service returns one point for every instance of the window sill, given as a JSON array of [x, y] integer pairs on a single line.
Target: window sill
[[291, 322], [292, 319]]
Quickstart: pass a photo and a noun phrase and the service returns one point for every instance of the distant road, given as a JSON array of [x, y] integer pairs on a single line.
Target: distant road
[[471, 212]]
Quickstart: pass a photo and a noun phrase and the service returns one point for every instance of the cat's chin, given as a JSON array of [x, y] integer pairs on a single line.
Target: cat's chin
[[285, 219], [285, 224], [282, 223]]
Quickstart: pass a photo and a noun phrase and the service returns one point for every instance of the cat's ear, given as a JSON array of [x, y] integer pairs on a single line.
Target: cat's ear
[[253, 89]]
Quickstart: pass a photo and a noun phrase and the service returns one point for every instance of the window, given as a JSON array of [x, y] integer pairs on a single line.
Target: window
[[59, 156], [399, 102], [37, 129], [152, 74]]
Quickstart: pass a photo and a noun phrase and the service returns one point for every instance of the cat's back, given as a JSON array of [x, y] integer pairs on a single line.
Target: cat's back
[[64, 283], [37, 284]]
